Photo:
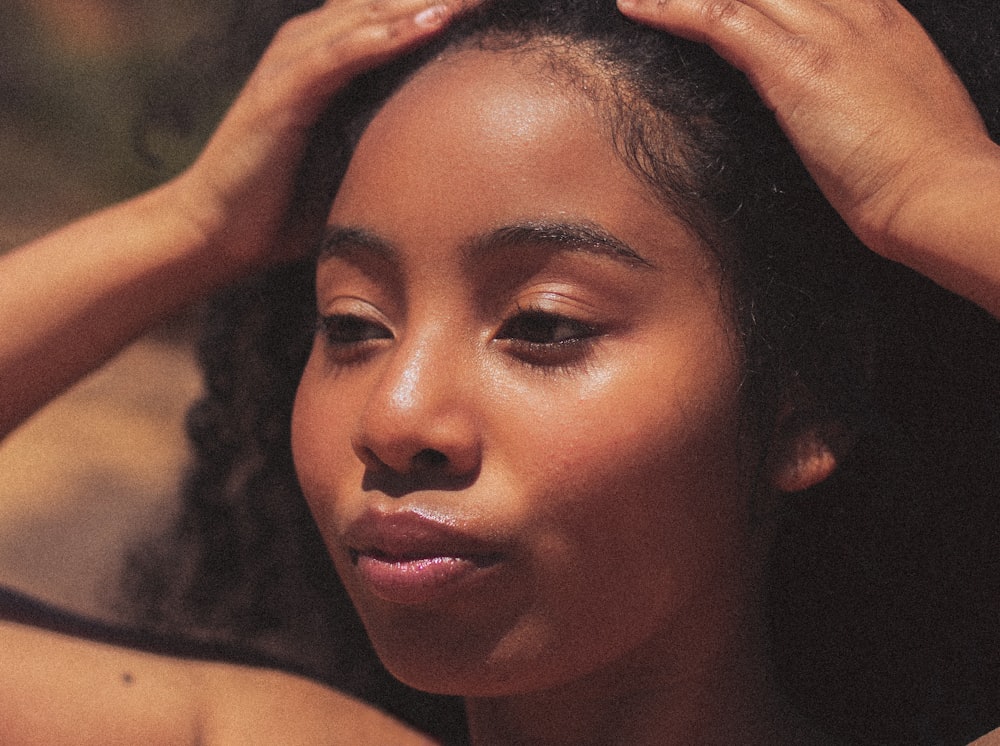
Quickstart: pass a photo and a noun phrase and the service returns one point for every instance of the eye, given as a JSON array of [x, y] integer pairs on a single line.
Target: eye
[[545, 339], [539, 327], [350, 337]]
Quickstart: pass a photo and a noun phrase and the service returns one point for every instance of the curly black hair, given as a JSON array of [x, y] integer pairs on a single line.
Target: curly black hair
[[884, 578]]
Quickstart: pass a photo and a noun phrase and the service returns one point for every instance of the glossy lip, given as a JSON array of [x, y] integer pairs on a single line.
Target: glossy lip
[[413, 557]]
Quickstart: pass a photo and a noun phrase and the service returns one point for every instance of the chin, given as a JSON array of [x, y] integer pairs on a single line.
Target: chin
[[439, 654]]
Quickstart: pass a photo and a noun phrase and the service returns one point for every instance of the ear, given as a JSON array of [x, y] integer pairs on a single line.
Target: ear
[[804, 451]]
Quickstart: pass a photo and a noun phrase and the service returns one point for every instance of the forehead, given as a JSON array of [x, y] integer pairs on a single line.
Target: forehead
[[502, 99], [502, 123], [479, 140]]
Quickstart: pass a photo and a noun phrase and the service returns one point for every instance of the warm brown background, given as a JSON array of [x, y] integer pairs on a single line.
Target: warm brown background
[[99, 467]]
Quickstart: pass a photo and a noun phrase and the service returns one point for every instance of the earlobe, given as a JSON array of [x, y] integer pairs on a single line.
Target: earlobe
[[804, 454]]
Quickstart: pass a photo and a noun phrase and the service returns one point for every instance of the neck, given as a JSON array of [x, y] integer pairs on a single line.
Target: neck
[[719, 689]]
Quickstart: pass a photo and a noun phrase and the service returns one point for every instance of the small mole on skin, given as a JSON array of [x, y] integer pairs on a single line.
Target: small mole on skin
[[127, 679]]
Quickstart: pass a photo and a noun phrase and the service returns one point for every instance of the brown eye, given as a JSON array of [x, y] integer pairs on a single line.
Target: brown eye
[[548, 342], [347, 329], [540, 328]]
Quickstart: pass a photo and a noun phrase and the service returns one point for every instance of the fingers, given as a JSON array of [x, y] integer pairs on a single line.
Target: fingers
[[707, 17], [756, 35], [738, 31], [372, 24], [793, 16], [247, 172], [871, 105], [316, 53]]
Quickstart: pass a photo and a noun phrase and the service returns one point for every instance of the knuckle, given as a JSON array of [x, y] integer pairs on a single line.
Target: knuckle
[[389, 32], [376, 10], [358, 45], [884, 14], [811, 60], [720, 12], [397, 31], [871, 18]]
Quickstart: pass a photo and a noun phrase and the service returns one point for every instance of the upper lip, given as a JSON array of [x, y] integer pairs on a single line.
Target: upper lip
[[417, 534]]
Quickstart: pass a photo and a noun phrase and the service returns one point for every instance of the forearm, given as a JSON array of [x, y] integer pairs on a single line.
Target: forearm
[[72, 299]]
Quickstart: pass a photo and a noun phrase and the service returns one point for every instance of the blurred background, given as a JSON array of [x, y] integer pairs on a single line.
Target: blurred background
[[98, 469]]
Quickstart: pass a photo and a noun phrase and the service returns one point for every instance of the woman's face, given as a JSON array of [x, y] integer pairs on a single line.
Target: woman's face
[[518, 426]]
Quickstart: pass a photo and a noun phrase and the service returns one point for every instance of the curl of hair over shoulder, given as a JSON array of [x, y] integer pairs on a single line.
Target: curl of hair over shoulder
[[885, 578]]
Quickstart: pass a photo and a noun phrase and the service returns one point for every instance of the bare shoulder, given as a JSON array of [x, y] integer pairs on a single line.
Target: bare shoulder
[[259, 707], [57, 689]]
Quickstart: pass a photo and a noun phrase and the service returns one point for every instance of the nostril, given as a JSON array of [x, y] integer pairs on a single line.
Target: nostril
[[427, 469], [430, 458], [370, 459]]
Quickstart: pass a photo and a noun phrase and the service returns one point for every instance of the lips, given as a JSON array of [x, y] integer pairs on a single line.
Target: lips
[[414, 557]]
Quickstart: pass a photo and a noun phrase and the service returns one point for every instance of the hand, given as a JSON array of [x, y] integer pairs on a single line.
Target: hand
[[875, 112], [239, 190]]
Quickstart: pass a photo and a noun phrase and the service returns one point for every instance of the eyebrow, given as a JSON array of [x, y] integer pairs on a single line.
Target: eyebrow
[[561, 236], [342, 241], [582, 237]]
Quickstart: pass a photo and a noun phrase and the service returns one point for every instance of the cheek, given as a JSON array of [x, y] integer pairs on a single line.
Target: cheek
[[320, 445], [641, 442], [637, 505], [658, 481]]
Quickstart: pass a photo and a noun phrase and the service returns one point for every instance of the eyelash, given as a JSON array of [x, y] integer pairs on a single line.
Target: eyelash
[[349, 337], [531, 335], [558, 353]]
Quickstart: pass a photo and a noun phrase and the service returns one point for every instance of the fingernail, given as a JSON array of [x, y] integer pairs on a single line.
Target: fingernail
[[431, 17]]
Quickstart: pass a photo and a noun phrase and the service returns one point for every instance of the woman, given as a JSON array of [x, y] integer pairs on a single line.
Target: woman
[[536, 429], [149, 257]]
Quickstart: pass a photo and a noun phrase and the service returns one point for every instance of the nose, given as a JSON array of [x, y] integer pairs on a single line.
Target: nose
[[419, 421]]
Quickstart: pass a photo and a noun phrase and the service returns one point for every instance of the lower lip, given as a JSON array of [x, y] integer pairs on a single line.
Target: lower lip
[[420, 580]]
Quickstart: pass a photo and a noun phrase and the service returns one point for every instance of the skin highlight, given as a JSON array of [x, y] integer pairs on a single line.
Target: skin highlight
[[598, 472], [489, 370]]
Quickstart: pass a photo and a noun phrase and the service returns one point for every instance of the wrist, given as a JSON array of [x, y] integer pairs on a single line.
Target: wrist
[[206, 236], [948, 229]]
